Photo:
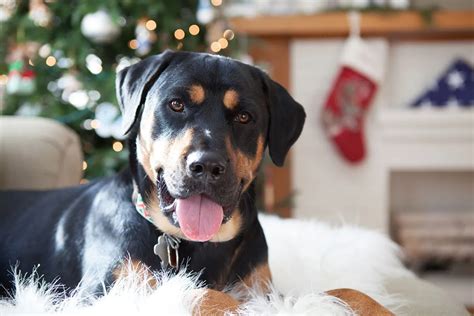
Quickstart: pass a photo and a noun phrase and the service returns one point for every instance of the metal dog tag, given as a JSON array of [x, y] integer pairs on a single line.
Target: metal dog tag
[[161, 250]]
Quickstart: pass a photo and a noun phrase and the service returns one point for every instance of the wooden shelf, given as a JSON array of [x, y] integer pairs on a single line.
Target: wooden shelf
[[443, 25]]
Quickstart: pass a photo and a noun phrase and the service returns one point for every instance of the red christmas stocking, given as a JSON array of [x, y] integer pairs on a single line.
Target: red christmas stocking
[[362, 68]]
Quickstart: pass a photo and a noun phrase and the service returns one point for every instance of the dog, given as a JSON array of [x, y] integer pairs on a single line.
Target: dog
[[197, 127]]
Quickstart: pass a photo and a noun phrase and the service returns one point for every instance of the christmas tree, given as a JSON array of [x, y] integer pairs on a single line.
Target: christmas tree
[[58, 59]]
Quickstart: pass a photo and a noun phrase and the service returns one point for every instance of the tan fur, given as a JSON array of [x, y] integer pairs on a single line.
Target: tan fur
[[160, 220], [178, 149], [360, 303], [163, 152], [215, 303], [230, 229], [144, 143], [212, 302], [231, 99], [197, 93], [245, 166], [259, 278], [135, 267]]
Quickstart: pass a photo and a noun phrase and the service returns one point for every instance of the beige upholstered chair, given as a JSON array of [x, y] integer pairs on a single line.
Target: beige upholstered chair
[[38, 153]]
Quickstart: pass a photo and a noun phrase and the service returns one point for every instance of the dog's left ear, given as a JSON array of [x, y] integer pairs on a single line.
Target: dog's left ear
[[286, 120], [133, 83]]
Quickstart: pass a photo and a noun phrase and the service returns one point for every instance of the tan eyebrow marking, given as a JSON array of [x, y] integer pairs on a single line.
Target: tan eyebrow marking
[[231, 99], [197, 93]]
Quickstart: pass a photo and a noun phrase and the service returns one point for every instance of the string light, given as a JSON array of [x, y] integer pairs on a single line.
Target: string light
[[83, 181], [30, 62], [194, 29], [3, 79], [179, 34], [229, 34], [133, 44], [223, 43], [94, 64], [150, 25], [95, 124], [117, 146], [216, 3], [44, 51], [51, 61], [215, 47], [179, 46], [84, 165]]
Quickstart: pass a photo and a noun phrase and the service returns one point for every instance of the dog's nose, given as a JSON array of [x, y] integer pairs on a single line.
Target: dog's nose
[[206, 164]]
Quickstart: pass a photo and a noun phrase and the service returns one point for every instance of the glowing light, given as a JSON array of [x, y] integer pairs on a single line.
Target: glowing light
[[133, 44], [216, 3], [51, 61], [94, 64], [83, 181], [95, 124], [84, 165], [79, 99], [3, 79], [87, 124], [194, 29], [94, 95], [30, 62], [44, 51], [117, 146], [223, 42], [150, 25], [229, 34], [179, 34], [179, 46], [215, 47]]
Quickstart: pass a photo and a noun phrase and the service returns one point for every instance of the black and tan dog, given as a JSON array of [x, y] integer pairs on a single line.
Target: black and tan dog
[[197, 127]]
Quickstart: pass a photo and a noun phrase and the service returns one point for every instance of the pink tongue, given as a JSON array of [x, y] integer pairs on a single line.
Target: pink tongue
[[199, 217]]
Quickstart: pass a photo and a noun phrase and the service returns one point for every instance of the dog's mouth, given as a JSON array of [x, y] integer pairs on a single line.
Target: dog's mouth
[[197, 215]]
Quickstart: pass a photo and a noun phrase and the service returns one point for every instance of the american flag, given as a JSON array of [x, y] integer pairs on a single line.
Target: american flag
[[455, 87]]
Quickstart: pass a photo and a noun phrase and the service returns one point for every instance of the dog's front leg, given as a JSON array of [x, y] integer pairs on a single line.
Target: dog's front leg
[[215, 303], [219, 303], [360, 303]]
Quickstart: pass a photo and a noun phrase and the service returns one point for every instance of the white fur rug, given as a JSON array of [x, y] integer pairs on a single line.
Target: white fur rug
[[306, 259]]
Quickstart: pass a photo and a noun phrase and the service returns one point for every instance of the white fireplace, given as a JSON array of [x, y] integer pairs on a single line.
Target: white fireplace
[[403, 144]]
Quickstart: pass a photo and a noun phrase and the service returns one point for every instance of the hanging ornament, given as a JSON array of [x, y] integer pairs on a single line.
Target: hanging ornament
[[99, 27], [109, 121], [39, 13], [21, 77], [145, 36], [7, 7]]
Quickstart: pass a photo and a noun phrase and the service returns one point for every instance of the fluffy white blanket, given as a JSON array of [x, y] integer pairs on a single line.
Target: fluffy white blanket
[[306, 259]]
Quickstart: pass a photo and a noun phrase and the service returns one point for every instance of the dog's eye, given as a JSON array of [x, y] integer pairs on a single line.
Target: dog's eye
[[176, 105], [243, 117]]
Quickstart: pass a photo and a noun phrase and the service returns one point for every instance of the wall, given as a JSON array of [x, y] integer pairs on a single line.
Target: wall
[[326, 186]]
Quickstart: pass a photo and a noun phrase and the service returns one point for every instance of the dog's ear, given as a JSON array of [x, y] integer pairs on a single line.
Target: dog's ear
[[133, 83], [286, 120]]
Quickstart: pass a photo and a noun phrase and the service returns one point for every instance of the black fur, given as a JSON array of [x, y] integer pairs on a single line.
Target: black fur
[[91, 228]]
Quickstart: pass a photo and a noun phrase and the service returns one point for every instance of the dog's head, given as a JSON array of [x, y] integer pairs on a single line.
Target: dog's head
[[199, 125]]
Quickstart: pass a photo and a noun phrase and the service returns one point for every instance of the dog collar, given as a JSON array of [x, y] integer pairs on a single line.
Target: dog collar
[[141, 208], [167, 245]]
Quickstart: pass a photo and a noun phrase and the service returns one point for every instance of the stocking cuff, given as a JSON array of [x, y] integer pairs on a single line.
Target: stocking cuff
[[369, 58]]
